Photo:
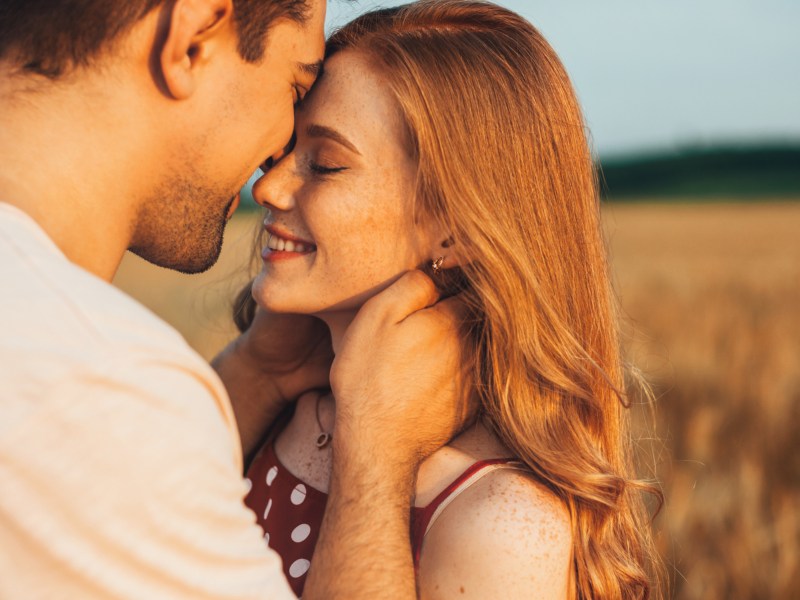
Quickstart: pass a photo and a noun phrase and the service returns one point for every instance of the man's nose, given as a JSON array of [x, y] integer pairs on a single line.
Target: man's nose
[[282, 153]]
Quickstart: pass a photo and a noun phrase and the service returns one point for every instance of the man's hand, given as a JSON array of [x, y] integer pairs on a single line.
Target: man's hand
[[400, 378], [401, 392], [272, 363]]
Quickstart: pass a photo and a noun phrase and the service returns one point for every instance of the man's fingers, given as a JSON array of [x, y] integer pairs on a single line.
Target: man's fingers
[[412, 292], [453, 308]]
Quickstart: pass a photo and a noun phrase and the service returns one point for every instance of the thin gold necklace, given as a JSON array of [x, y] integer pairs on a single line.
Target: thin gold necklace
[[324, 437]]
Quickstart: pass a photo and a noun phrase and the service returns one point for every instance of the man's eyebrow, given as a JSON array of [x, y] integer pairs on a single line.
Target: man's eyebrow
[[312, 69], [318, 131]]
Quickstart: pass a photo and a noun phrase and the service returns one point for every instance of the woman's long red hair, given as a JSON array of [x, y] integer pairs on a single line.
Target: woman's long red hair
[[504, 165]]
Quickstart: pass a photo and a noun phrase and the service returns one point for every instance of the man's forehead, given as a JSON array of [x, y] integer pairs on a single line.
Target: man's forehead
[[315, 17], [313, 39]]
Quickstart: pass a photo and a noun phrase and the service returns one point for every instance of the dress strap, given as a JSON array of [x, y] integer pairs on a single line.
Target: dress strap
[[424, 517], [467, 479]]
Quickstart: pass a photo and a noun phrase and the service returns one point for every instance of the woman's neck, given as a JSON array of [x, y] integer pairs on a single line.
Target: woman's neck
[[338, 322]]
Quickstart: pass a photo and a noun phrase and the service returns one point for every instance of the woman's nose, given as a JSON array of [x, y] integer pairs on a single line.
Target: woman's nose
[[276, 188]]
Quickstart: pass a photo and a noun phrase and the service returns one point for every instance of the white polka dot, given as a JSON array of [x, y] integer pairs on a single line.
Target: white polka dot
[[266, 510], [271, 475], [298, 494], [299, 567], [301, 533], [248, 485]]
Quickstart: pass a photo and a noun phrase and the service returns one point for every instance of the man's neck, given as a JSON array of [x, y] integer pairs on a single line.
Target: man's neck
[[58, 164]]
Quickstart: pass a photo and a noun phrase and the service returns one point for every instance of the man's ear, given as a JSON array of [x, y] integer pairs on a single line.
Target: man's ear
[[193, 26]]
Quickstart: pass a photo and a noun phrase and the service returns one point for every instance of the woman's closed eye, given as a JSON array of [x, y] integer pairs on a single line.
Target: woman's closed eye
[[324, 161], [331, 151], [324, 169]]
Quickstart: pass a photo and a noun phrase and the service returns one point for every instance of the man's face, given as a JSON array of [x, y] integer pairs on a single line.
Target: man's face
[[241, 113]]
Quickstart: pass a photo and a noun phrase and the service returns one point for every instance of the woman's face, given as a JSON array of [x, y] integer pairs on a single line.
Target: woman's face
[[341, 226]]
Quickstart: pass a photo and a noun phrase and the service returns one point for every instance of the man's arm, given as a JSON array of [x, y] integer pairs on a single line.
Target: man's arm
[[399, 382], [125, 483], [272, 363]]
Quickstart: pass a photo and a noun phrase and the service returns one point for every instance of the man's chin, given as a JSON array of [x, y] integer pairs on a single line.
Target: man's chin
[[182, 236], [191, 260]]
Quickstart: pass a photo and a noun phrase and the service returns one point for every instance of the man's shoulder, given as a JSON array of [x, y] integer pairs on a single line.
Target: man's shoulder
[[48, 301]]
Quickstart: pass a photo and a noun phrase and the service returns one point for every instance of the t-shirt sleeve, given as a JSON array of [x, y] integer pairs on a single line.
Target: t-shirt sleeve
[[123, 483]]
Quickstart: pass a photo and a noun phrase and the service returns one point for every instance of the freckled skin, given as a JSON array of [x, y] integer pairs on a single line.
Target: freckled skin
[[506, 537]]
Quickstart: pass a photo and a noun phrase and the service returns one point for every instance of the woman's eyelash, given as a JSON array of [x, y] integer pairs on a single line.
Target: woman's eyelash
[[323, 170]]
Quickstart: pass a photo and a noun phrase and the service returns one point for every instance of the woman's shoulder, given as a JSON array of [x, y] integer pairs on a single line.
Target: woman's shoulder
[[505, 536], [512, 497]]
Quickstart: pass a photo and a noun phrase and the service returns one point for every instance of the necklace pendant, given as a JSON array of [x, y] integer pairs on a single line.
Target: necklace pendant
[[323, 439]]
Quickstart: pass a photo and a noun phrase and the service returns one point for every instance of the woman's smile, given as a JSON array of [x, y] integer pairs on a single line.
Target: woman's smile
[[282, 245]]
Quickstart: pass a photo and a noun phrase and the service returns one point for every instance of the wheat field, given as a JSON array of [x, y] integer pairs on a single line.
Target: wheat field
[[710, 297]]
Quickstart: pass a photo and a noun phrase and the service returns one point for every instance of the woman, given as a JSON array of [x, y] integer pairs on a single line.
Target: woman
[[447, 134]]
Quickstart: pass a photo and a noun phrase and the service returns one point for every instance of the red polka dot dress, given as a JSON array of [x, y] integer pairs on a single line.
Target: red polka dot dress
[[290, 511]]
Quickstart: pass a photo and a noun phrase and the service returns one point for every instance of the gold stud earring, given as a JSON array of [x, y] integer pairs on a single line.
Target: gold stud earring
[[436, 265]]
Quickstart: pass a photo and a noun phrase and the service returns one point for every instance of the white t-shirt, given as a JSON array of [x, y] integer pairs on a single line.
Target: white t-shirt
[[120, 464]]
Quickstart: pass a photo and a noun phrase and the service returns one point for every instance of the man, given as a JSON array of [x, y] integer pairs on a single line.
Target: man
[[132, 125]]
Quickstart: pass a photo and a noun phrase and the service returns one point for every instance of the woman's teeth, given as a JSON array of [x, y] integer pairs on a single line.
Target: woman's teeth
[[282, 245]]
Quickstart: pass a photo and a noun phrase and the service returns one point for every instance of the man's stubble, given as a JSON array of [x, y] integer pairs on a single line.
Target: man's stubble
[[181, 225]]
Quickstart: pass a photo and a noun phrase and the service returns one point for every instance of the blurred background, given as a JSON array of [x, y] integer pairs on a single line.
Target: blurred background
[[694, 112]]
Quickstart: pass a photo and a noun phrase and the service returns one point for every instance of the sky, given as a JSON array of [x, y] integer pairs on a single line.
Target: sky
[[658, 75]]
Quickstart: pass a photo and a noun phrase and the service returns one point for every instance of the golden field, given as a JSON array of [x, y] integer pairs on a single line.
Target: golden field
[[711, 301], [711, 294]]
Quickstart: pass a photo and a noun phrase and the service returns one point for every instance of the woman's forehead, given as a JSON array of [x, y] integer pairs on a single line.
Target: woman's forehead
[[351, 95]]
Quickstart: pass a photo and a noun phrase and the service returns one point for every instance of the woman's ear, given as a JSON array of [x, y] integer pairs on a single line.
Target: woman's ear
[[446, 267], [448, 254], [194, 26]]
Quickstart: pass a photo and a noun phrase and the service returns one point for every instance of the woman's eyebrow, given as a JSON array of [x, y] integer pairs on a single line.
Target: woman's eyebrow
[[321, 131]]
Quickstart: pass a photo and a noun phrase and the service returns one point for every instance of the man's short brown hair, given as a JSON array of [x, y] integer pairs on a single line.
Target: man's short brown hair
[[48, 37]]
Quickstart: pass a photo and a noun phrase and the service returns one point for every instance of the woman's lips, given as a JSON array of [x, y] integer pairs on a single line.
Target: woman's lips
[[283, 245]]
